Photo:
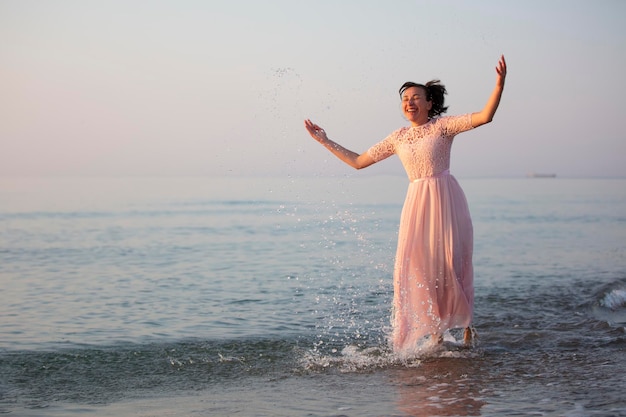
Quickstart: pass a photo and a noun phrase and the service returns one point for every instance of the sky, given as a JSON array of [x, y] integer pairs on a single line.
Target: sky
[[221, 87]]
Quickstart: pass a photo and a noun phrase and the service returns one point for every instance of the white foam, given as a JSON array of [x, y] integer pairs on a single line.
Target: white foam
[[356, 359], [350, 359], [615, 299]]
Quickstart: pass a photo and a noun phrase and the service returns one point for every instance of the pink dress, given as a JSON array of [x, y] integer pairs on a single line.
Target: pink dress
[[433, 273]]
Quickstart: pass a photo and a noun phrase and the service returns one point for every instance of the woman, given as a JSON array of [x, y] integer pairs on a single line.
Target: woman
[[433, 272]]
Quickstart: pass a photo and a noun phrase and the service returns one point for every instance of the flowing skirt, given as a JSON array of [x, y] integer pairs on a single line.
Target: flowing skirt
[[433, 274]]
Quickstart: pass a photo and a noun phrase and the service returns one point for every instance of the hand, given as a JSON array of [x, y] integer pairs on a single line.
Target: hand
[[501, 70], [315, 131]]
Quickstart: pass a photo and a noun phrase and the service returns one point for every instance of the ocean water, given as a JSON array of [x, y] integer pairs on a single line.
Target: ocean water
[[271, 297]]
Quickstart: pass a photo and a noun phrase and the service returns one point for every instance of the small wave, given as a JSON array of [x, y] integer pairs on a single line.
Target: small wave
[[609, 304], [614, 299]]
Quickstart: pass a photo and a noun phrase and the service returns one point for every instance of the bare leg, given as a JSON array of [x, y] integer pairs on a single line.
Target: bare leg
[[437, 337]]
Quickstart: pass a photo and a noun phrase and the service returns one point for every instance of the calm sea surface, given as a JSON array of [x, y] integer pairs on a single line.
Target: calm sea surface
[[271, 297]]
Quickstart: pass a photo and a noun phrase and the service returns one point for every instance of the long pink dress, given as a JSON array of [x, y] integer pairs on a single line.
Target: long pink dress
[[433, 273]]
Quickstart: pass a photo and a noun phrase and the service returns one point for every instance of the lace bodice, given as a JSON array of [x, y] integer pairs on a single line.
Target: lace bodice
[[424, 150]]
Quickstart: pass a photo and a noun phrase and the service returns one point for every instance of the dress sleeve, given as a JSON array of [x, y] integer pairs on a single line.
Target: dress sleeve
[[383, 149], [453, 125]]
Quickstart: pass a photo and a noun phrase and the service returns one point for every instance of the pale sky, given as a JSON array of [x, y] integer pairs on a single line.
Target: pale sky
[[192, 87]]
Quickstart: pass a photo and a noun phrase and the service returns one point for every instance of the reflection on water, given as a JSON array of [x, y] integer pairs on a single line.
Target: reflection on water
[[442, 387]]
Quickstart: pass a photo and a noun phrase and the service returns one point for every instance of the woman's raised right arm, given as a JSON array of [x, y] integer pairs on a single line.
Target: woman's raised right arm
[[351, 158]]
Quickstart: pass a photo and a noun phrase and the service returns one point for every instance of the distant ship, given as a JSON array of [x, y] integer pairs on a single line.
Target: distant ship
[[541, 175]]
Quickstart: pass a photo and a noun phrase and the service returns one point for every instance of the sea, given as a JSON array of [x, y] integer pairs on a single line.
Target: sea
[[268, 296]]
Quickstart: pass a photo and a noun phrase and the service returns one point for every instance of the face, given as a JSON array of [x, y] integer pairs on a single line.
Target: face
[[415, 106]]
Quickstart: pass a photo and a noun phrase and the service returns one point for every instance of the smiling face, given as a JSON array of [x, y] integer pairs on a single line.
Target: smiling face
[[415, 105]]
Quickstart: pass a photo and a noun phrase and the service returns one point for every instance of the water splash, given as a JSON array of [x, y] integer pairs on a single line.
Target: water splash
[[356, 359]]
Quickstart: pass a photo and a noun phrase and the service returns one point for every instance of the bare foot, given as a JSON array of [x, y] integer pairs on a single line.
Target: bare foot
[[469, 336]]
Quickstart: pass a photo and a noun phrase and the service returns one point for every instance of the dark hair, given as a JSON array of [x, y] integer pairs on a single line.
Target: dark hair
[[435, 92]]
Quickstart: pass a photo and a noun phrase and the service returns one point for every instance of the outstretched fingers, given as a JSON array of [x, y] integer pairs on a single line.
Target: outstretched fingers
[[310, 125], [314, 130], [501, 70]]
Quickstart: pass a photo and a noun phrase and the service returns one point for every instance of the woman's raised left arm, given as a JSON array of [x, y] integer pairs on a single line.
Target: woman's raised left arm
[[487, 113]]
